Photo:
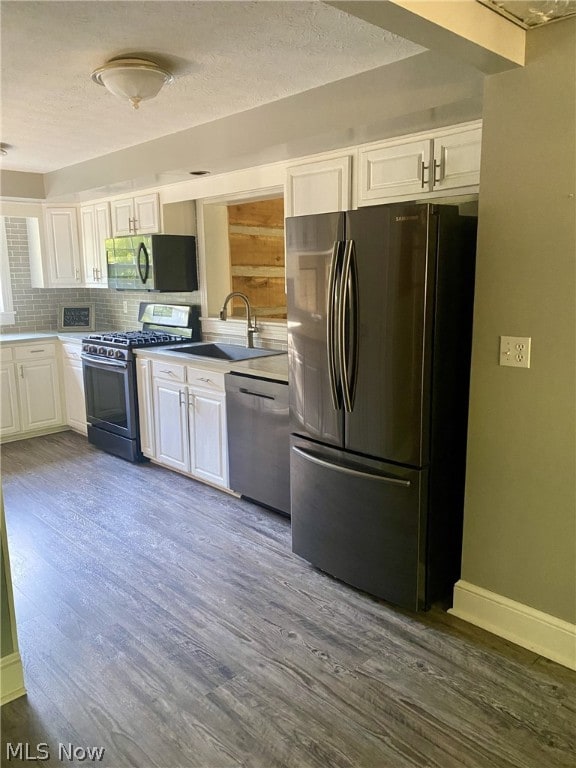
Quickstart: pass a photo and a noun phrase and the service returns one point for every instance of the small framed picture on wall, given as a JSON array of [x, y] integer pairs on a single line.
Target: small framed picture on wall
[[76, 317]]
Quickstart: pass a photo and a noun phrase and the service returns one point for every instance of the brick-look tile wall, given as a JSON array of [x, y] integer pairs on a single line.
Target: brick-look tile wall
[[37, 308]]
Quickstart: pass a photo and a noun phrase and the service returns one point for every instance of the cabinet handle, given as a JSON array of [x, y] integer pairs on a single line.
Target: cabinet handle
[[423, 169], [180, 396], [438, 167], [207, 381], [21, 371], [77, 273], [36, 351], [134, 220], [170, 373], [94, 275]]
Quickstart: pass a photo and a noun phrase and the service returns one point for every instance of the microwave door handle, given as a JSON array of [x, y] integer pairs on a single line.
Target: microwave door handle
[[142, 250]]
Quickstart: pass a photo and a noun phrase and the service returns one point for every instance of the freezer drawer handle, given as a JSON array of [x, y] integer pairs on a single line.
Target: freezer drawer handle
[[348, 471], [256, 394]]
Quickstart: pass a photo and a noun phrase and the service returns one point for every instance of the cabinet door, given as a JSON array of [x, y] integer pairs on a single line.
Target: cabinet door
[[320, 187], [147, 214], [102, 230], [392, 170], [208, 439], [170, 425], [40, 394], [63, 248], [122, 216], [9, 412], [457, 159], [74, 393], [87, 227], [145, 406]]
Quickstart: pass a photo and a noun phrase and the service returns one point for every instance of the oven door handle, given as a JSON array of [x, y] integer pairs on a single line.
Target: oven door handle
[[143, 274], [104, 361]]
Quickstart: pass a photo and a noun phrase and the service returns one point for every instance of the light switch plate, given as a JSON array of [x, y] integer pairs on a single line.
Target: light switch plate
[[515, 351]]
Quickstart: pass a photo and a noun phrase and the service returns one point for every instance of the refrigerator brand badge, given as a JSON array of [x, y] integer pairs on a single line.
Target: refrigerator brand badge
[[406, 218]]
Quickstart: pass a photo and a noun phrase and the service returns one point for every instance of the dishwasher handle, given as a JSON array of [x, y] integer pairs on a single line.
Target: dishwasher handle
[[245, 391]]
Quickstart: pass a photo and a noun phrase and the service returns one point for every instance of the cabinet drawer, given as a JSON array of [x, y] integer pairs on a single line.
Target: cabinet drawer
[[33, 351], [168, 371], [198, 377], [6, 354]]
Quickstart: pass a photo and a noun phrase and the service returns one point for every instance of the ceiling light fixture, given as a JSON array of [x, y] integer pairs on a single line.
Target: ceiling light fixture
[[133, 79], [3, 149]]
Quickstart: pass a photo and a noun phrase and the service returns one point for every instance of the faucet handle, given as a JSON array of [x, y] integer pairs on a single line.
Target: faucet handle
[[223, 314]]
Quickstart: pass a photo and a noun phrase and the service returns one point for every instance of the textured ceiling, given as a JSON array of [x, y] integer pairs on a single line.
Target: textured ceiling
[[227, 57]]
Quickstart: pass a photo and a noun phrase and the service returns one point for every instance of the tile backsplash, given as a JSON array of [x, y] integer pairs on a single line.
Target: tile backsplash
[[36, 309]]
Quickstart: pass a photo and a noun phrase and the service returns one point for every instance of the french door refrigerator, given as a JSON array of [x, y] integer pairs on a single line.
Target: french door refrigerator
[[379, 333]]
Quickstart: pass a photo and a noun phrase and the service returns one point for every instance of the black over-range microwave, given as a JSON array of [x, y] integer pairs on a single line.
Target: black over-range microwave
[[152, 263]]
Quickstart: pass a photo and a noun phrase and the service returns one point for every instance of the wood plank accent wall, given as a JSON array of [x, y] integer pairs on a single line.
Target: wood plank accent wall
[[256, 236]]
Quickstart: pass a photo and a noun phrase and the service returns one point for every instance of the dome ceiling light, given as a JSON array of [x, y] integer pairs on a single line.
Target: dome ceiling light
[[133, 79]]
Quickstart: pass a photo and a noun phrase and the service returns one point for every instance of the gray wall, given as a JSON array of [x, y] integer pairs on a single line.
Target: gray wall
[[519, 537], [37, 308]]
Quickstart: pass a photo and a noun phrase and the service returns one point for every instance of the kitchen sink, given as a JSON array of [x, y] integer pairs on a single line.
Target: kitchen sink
[[217, 351]]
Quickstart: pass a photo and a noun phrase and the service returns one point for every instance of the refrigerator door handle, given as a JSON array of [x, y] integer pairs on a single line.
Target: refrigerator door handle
[[315, 459], [348, 326], [331, 324]]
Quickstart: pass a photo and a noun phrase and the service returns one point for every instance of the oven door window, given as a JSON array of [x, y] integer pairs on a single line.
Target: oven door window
[[110, 398]]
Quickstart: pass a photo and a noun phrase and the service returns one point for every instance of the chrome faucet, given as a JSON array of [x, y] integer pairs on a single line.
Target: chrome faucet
[[251, 328]]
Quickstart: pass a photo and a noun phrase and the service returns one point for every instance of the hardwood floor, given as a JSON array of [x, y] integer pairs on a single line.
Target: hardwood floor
[[170, 624]]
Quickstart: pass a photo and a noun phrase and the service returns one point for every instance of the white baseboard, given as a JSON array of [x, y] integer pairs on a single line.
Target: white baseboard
[[11, 678], [539, 632]]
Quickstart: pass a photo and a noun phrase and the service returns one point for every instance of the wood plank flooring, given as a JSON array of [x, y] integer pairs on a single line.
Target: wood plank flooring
[[170, 623]]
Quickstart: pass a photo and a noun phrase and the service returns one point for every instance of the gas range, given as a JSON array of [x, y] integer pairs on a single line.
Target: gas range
[[119, 344], [110, 376]]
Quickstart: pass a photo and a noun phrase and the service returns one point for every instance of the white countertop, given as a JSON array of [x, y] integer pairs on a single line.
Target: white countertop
[[273, 367], [24, 336]]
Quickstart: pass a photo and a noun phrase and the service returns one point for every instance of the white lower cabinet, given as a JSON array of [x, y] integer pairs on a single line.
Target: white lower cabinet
[[187, 408], [30, 391], [9, 410], [208, 437], [171, 425], [74, 398], [145, 405]]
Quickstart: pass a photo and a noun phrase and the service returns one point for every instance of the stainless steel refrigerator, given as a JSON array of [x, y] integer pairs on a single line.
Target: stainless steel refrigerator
[[379, 332]]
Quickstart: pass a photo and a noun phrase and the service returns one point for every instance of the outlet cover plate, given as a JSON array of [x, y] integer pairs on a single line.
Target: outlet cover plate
[[515, 351]]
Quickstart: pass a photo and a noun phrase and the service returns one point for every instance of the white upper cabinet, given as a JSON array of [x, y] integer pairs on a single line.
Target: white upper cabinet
[[400, 168], [322, 186], [139, 215], [95, 225], [64, 266], [420, 166], [457, 159]]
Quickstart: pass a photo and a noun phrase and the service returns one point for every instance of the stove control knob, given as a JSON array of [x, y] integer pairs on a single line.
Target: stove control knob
[[110, 352], [120, 354], [85, 348], [93, 349], [101, 350]]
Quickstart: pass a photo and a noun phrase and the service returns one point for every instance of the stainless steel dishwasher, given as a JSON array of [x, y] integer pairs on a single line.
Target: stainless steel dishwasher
[[259, 439]]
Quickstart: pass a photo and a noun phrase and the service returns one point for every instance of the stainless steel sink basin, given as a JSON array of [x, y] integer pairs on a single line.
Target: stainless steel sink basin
[[217, 351]]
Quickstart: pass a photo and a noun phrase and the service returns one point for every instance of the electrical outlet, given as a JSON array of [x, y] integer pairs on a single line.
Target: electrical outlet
[[125, 307], [515, 351]]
